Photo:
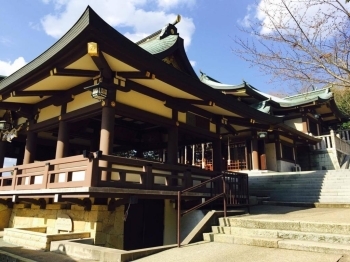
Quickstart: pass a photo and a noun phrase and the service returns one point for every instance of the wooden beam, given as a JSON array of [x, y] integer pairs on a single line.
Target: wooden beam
[[74, 72], [36, 93], [196, 102], [137, 75], [100, 61], [59, 100], [184, 107], [246, 122], [17, 107]]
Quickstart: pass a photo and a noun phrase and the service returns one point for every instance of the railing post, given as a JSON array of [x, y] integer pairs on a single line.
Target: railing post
[[91, 174], [187, 179], [148, 180], [333, 139], [178, 217], [224, 197], [14, 178], [46, 174]]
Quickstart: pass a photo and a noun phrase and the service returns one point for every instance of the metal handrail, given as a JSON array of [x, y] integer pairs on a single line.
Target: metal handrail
[[179, 193], [213, 198]]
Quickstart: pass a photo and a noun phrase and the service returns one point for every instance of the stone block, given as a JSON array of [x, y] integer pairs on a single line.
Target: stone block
[[20, 206], [76, 207], [100, 238], [79, 225], [115, 241], [99, 208], [76, 214]]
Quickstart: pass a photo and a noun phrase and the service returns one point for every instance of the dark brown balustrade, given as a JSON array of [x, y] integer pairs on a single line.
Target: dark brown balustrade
[[79, 171]]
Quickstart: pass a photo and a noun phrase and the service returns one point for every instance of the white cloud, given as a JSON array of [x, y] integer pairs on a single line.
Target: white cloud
[[119, 13], [8, 67], [168, 4], [193, 63]]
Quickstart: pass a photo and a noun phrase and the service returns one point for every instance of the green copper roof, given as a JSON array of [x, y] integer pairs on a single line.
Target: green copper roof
[[321, 95], [157, 45]]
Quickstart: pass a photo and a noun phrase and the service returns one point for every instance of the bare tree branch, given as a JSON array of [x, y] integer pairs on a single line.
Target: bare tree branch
[[301, 42]]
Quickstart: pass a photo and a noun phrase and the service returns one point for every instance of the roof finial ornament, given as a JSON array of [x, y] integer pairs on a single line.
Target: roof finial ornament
[[178, 19]]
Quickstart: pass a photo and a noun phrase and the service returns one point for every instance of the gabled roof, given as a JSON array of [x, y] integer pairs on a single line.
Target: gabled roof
[[180, 89], [166, 44], [122, 55], [268, 103]]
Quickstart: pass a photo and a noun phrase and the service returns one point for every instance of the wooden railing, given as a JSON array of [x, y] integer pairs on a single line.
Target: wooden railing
[[333, 141], [344, 135], [80, 171]]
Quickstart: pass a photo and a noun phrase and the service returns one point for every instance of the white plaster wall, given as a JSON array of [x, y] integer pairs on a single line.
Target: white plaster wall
[[296, 123], [271, 163]]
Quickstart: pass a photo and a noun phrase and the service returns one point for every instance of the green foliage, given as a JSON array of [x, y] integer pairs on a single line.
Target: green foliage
[[345, 126], [342, 98]]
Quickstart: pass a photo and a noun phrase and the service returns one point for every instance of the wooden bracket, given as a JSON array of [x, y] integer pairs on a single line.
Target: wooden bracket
[[7, 202], [38, 202], [86, 202], [113, 204]]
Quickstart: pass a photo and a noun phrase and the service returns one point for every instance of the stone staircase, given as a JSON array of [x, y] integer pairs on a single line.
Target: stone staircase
[[321, 237], [332, 186]]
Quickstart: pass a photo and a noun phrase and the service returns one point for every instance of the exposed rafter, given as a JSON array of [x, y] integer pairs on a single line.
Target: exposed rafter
[[73, 72]]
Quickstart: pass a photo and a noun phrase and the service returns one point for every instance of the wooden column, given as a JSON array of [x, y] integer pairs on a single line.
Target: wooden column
[[173, 136], [255, 155], [2, 153], [107, 135], [30, 148], [62, 140], [217, 158], [193, 147]]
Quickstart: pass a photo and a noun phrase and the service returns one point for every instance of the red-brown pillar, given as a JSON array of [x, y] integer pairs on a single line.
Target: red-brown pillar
[[62, 140], [2, 153], [217, 157], [30, 149], [255, 155], [107, 135], [173, 136]]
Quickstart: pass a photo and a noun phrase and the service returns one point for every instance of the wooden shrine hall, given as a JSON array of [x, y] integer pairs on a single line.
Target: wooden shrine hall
[[96, 118]]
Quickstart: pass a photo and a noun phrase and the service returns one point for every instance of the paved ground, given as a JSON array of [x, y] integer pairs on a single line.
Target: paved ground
[[203, 252], [221, 252]]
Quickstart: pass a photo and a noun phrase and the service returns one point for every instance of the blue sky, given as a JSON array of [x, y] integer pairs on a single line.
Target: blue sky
[[29, 27]]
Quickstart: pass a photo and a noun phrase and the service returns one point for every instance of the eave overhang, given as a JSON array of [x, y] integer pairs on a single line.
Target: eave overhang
[[90, 27]]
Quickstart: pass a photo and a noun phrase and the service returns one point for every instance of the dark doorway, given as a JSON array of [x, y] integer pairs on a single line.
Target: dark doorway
[[144, 226]]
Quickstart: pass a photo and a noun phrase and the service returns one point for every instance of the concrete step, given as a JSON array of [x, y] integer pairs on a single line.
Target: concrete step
[[272, 242], [314, 246], [288, 225], [243, 240], [283, 234]]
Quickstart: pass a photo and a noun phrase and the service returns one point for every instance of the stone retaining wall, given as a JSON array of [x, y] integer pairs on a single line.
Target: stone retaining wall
[[34, 238], [105, 227]]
